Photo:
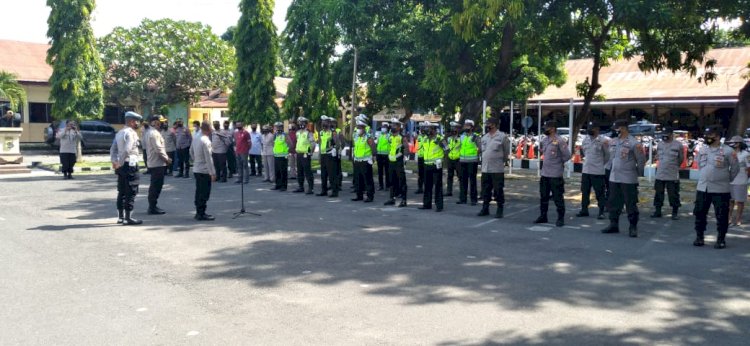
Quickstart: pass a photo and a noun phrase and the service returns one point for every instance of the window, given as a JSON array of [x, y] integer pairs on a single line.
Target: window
[[40, 112], [104, 128]]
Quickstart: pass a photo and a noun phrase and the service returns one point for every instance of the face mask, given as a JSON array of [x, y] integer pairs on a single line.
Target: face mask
[[360, 131], [547, 132], [383, 129], [617, 133], [710, 140], [665, 138], [591, 132]]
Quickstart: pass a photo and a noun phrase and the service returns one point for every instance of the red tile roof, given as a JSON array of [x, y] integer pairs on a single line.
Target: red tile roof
[[26, 60], [622, 80]]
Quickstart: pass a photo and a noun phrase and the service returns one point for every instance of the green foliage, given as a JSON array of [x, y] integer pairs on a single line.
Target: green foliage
[[725, 38], [164, 62], [309, 43], [11, 90], [256, 43], [229, 34], [76, 82]]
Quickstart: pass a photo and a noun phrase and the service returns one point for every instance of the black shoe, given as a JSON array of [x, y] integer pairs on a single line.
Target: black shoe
[[390, 202], [205, 217], [70, 177], [560, 223], [236, 182], [402, 204], [484, 212], [309, 192], [473, 203], [582, 213], [675, 214], [600, 216], [698, 241], [334, 195], [439, 209], [720, 244], [156, 211], [633, 231], [223, 181], [612, 228], [656, 214], [424, 208], [186, 176], [282, 189], [541, 219], [356, 199], [322, 194], [131, 221], [381, 188], [448, 195], [299, 191], [120, 217], [276, 188], [369, 200], [461, 202], [418, 192], [499, 213]]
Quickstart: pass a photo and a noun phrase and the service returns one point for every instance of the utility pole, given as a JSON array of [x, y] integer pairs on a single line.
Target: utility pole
[[354, 93]]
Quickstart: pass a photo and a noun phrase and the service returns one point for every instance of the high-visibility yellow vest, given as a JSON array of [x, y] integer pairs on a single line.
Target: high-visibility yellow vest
[[469, 150], [325, 141], [303, 142], [395, 148], [453, 148], [280, 147], [362, 149], [420, 151], [433, 151], [383, 144]]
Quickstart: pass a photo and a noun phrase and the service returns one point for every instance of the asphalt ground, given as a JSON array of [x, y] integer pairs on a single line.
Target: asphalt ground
[[316, 270]]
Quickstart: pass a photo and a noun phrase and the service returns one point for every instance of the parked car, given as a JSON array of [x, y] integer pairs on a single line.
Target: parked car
[[644, 129], [96, 134]]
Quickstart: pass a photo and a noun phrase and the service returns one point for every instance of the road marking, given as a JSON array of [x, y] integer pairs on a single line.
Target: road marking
[[142, 310], [2, 219], [483, 223], [364, 285], [306, 272], [120, 254], [539, 229], [192, 333], [522, 211], [471, 257], [572, 227]]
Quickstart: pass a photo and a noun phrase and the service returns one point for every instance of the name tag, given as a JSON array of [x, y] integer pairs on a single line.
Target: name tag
[[719, 161], [624, 152]]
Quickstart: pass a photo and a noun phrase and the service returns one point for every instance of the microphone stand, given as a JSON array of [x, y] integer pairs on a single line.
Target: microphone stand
[[242, 194]]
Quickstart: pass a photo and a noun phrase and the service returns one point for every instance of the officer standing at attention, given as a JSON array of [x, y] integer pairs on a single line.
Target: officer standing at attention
[[434, 152], [360, 118], [170, 145], [396, 171], [158, 161], [220, 143], [669, 155], [556, 153], [495, 152], [421, 137], [340, 144], [281, 144], [382, 146], [718, 166], [595, 148], [328, 140], [469, 161], [627, 165], [304, 148], [454, 147], [364, 146], [124, 155], [204, 171]]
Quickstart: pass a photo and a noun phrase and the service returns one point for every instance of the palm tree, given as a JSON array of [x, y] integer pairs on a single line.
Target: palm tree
[[11, 90]]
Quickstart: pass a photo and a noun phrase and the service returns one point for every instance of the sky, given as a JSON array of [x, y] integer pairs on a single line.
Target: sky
[[26, 20]]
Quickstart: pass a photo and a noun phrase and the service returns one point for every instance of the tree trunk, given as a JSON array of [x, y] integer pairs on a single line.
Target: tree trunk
[[740, 120], [585, 114]]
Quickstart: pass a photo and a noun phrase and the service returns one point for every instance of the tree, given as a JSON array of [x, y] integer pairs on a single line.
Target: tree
[[11, 90], [164, 62], [229, 34], [309, 42], [738, 10], [257, 46], [76, 82]]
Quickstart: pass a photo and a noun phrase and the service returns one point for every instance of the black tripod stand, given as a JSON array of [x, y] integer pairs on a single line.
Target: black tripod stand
[[242, 194]]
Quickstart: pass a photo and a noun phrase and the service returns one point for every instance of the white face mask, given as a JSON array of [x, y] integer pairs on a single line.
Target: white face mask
[[360, 131], [383, 129]]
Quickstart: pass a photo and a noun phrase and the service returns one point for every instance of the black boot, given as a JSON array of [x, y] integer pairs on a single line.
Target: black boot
[[390, 202], [485, 211], [657, 213], [698, 239], [561, 218], [131, 221], [499, 213], [542, 218], [402, 204], [675, 213], [633, 231], [720, 242], [154, 210], [612, 228], [601, 214], [584, 212], [120, 216]]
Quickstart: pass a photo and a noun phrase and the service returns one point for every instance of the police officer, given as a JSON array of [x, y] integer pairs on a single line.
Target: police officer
[[718, 166], [364, 119], [421, 137], [158, 161], [328, 144], [433, 149], [364, 146], [203, 170], [669, 154], [398, 145], [556, 153], [595, 148], [281, 145], [469, 161], [124, 155], [340, 144], [454, 152], [382, 146], [628, 161], [304, 148], [495, 152]]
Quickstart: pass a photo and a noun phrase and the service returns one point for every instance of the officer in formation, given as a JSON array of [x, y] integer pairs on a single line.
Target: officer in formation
[[381, 144], [124, 155], [364, 146], [158, 161], [595, 149], [495, 153], [421, 138], [669, 154], [339, 151], [556, 153], [433, 150], [718, 167], [454, 153], [281, 144], [469, 161], [304, 148], [203, 170], [221, 140], [329, 143], [396, 148], [628, 162]]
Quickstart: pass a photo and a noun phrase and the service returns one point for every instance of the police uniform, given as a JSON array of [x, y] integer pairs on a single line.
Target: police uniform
[[203, 171], [363, 148], [328, 168], [304, 148], [627, 165], [669, 155], [157, 165], [396, 171], [433, 151], [421, 138], [125, 154], [469, 162], [381, 146], [452, 163], [717, 166], [551, 183], [596, 155], [495, 152], [281, 144]]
